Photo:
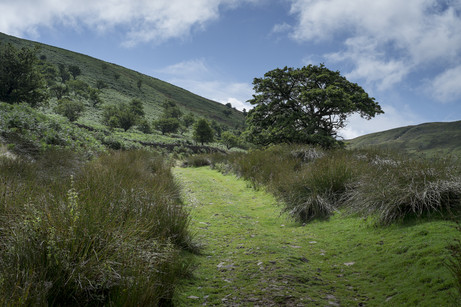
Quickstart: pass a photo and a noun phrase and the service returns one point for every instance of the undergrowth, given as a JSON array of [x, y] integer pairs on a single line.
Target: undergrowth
[[106, 232]]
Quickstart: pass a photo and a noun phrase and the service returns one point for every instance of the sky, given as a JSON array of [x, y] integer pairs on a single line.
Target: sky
[[405, 54]]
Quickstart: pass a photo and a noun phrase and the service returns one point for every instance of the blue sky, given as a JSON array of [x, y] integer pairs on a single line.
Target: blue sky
[[406, 54]]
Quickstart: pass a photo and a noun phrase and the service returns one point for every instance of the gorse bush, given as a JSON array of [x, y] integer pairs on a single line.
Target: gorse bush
[[108, 233]]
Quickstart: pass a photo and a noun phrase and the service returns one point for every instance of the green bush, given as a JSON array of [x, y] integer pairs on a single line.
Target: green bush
[[112, 234], [69, 108]]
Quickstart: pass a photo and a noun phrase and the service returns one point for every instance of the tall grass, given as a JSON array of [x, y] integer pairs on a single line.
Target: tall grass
[[383, 185], [108, 233], [393, 187]]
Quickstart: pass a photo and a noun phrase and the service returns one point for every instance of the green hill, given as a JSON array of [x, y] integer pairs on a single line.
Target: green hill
[[122, 85], [428, 139]]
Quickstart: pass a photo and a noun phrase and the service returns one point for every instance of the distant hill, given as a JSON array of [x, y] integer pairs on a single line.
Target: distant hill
[[123, 86], [428, 139]]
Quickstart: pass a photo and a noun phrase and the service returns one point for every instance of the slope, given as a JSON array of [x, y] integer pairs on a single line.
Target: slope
[[122, 86], [439, 138]]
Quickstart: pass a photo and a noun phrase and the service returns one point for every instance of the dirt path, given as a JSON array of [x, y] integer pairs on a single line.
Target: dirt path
[[252, 256]]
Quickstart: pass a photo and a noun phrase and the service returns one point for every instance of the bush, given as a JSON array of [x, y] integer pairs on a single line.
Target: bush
[[69, 108], [109, 235]]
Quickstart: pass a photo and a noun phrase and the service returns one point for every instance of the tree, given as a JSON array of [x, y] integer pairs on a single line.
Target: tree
[[119, 116], [170, 109], [137, 107], [216, 127], [229, 139], [75, 71], [100, 84], [167, 125], [20, 80], [63, 73], [94, 97], [203, 132], [139, 84], [188, 120], [69, 108], [59, 90], [305, 105], [79, 88]]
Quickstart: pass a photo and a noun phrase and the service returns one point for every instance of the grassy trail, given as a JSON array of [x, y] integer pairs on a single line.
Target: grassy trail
[[254, 256]]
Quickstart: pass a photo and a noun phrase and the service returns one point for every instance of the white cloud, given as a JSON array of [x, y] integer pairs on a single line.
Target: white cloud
[[384, 40], [197, 77], [446, 87], [141, 20], [392, 118], [192, 68]]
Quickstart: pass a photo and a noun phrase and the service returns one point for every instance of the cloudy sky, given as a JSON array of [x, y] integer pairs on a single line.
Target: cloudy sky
[[406, 54]]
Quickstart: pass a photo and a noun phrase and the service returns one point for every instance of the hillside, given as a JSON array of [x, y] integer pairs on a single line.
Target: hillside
[[429, 139], [122, 85]]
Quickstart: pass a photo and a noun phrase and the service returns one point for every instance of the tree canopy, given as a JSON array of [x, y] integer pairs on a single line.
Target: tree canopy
[[305, 105], [20, 80], [203, 132]]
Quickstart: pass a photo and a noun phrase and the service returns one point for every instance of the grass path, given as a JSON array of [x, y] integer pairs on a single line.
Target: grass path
[[254, 256]]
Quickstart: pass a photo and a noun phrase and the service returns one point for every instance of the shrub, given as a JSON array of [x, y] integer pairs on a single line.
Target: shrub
[[69, 108]]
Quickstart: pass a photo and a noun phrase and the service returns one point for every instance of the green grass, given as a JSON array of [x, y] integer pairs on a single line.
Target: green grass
[[153, 91], [429, 139], [252, 255], [106, 232]]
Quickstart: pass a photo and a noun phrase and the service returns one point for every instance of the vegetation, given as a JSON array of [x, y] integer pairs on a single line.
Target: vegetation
[[306, 105], [107, 233], [430, 139], [20, 80], [385, 187], [69, 108], [253, 256], [203, 132], [102, 86]]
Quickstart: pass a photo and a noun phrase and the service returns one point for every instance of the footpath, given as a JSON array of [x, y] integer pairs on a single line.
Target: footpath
[[251, 255]]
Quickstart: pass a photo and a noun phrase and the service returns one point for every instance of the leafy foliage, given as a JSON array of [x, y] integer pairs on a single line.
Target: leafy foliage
[[229, 139], [306, 105], [203, 132], [69, 108], [167, 125], [20, 80]]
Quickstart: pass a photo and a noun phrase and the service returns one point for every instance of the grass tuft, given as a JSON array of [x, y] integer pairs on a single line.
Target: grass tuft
[[109, 233]]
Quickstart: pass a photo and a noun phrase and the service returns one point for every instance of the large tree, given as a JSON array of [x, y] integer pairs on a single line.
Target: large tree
[[20, 80], [305, 105]]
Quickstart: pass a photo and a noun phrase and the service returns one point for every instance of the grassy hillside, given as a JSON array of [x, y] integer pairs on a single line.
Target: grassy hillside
[[429, 139], [122, 85], [153, 91]]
